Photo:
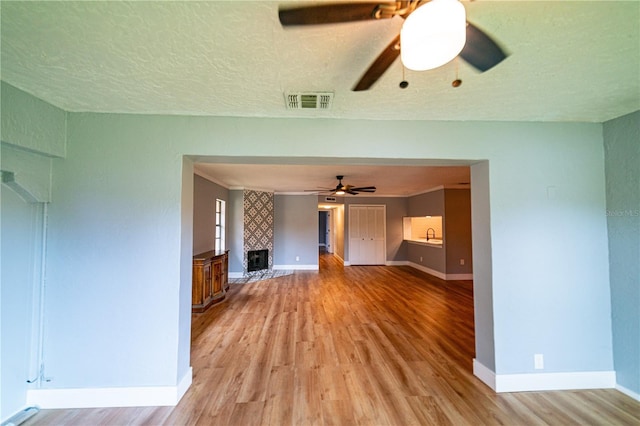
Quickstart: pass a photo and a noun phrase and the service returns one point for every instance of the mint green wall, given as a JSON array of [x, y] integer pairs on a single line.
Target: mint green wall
[[32, 132], [31, 123], [549, 249], [120, 243], [622, 160], [121, 216], [31, 172], [123, 173], [20, 230]]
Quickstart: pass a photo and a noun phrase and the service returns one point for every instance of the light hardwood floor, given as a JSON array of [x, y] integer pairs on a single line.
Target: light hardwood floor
[[352, 346]]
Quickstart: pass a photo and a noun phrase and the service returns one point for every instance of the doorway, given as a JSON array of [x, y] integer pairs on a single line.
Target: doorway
[[481, 238], [331, 230], [325, 231]]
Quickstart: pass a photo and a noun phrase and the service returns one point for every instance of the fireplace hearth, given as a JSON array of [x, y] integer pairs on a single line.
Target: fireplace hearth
[[257, 260]]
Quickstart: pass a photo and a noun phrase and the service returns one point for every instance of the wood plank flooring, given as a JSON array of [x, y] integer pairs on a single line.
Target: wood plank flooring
[[349, 346]]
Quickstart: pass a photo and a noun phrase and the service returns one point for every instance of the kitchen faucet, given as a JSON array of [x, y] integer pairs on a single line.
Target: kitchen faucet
[[434, 233]]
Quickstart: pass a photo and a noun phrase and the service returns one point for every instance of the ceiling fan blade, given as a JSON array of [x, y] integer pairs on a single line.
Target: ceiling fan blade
[[379, 66], [329, 13], [364, 189], [351, 192], [480, 51]]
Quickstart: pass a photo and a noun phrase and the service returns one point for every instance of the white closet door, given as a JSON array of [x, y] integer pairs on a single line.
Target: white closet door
[[355, 237], [367, 241], [377, 235]]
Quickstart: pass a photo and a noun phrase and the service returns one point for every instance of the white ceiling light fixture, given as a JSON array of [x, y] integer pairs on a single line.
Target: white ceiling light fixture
[[433, 35]]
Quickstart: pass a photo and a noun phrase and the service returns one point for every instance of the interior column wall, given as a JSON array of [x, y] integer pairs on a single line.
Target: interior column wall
[[622, 159], [21, 231], [482, 270], [33, 132]]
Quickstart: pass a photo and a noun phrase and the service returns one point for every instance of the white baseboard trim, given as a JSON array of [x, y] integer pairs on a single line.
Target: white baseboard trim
[[441, 275], [396, 263], [555, 381], [483, 373], [628, 392], [429, 271], [459, 277], [184, 384], [142, 396], [529, 382], [236, 274], [296, 267]]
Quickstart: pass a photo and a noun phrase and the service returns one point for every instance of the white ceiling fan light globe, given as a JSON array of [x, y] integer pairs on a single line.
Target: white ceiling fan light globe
[[433, 35]]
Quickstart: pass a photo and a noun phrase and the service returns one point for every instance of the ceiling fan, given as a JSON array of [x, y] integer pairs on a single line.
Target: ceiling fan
[[342, 189], [473, 45]]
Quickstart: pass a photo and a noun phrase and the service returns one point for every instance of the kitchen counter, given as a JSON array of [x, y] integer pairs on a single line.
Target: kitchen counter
[[432, 242]]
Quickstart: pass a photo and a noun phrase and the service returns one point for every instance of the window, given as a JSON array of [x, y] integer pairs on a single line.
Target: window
[[220, 219]]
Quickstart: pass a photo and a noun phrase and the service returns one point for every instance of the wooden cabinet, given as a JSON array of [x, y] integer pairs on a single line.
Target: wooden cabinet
[[210, 279], [367, 236], [225, 271]]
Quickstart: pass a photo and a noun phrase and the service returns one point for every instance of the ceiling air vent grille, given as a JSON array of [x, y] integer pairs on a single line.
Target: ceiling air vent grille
[[309, 100]]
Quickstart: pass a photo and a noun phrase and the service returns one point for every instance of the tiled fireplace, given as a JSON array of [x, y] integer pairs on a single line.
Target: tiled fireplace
[[258, 227]]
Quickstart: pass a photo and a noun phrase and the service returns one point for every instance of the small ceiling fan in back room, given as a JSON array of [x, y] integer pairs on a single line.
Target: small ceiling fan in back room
[[342, 189], [434, 33]]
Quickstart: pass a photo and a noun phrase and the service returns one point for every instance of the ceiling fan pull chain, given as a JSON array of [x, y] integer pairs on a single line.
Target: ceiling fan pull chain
[[457, 82], [404, 83]]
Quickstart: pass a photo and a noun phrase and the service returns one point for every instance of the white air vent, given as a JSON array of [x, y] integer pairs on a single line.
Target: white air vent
[[309, 100], [330, 199]]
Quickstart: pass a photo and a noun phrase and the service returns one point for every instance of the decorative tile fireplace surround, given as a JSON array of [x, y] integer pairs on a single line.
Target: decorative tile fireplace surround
[[258, 226]]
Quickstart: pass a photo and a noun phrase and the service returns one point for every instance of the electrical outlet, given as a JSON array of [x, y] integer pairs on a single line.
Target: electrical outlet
[[462, 261], [297, 258], [538, 361], [420, 258]]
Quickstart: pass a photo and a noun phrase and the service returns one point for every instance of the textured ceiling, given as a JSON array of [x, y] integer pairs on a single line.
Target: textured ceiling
[[570, 61], [389, 180]]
